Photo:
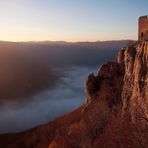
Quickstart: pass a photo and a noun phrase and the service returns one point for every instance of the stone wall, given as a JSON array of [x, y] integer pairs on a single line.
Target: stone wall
[[143, 28]]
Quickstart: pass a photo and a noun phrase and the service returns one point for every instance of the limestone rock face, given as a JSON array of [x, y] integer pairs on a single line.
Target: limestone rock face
[[108, 82], [131, 66], [135, 88]]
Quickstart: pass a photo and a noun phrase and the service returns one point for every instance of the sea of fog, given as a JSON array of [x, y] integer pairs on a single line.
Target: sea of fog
[[41, 81], [48, 104]]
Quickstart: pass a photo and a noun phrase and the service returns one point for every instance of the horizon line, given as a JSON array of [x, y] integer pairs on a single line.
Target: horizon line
[[82, 41]]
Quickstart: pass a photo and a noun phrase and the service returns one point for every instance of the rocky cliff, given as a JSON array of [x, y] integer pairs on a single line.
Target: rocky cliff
[[114, 115], [135, 88]]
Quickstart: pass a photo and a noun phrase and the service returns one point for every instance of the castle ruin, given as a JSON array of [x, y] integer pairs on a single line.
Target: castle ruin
[[143, 28]]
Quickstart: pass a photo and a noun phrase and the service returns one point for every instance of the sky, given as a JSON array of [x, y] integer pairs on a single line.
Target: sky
[[70, 20]]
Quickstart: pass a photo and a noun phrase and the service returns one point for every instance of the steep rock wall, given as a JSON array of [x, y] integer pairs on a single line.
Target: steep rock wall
[[134, 60]]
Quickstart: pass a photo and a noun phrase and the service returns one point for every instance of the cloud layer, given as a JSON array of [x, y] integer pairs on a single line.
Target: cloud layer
[[46, 105], [40, 81]]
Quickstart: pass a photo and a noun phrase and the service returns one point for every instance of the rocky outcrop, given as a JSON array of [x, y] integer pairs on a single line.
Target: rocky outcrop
[[129, 78], [114, 115], [135, 88], [106, 84], [131, 65]]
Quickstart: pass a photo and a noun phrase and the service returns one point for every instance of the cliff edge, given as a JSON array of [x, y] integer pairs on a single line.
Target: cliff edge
[[115, 113]]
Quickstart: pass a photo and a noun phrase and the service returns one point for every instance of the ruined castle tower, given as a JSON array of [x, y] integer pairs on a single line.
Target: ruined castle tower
[[143, 28]]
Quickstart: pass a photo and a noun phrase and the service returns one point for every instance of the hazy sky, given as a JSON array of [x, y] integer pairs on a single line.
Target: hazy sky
[[70, 20]]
